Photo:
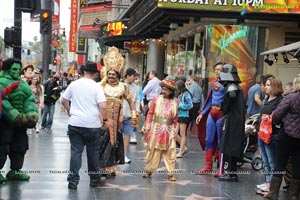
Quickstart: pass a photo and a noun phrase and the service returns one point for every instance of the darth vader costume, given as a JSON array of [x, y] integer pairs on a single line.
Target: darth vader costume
[[233, 108]]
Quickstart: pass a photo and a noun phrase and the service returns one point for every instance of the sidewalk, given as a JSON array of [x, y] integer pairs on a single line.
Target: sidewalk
[[47, 162]]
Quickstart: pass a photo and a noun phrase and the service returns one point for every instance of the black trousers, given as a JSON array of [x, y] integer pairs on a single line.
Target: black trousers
[[287, 146], [13, 143]]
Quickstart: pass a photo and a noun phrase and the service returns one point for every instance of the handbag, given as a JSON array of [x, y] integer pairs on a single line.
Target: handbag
[[265, 128]]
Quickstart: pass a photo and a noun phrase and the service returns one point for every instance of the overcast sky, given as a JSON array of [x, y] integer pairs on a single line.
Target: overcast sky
[[30, 29]]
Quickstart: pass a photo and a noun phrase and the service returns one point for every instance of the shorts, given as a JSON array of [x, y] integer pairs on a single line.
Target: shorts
[[183, 120], [127, 129]]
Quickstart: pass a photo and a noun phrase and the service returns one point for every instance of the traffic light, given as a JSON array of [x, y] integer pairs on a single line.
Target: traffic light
[[12, 36], [54, 62], [45, 21], [9, 34]]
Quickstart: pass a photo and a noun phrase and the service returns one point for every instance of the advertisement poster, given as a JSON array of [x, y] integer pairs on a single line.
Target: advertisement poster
[[56, 11], [55, 36], [235, 45]]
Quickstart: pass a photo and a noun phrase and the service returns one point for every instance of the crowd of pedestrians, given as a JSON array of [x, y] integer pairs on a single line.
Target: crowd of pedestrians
[[105, 116]]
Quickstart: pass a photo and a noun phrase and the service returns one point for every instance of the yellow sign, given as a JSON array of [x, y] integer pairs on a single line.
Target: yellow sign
[[265, 6]]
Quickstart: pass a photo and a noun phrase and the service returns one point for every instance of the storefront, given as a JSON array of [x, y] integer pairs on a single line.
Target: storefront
[[196, 34]]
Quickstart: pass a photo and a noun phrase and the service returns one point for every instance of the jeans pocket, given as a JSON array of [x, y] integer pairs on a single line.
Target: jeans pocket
[[71, 130]]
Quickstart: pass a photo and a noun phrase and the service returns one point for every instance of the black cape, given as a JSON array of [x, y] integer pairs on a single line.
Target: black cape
[[109, 154], [233, 108]]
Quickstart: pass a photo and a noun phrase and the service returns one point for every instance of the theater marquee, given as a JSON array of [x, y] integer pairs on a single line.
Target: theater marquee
[[264, 6]]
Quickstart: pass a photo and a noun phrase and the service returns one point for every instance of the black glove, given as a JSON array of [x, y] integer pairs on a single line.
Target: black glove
[[31, 121], [21, 120]]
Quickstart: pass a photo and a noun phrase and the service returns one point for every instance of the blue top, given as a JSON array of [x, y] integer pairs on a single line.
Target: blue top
[[141, 93], [216, 97], [252, 106], [196, 92], [185, 103]]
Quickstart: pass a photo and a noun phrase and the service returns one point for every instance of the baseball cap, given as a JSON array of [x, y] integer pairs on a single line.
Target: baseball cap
[[131, 71]]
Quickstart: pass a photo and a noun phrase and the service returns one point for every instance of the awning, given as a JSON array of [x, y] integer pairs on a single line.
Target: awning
[[88, 31], [284, 49], [118, 41]]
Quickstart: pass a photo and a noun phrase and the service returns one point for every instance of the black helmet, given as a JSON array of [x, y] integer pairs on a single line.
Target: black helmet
[[229, 73]]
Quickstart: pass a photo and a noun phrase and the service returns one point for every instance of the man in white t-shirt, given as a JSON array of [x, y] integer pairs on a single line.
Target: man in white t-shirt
[[88, 102]]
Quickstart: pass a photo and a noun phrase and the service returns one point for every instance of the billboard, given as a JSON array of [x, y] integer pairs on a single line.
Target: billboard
[[236, 45], [114, 29], [56, 11], [262, 6], [55, 36]]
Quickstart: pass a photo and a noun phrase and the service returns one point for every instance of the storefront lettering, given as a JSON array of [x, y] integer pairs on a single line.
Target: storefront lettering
[[217, 2], [247, 2], [225, 42], [205, 2]]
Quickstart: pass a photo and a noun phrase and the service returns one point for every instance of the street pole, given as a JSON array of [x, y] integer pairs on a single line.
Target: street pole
[[46, 42], [18, 28]]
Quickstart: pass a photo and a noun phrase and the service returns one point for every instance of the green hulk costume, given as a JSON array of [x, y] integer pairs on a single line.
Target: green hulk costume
[[19, 112]]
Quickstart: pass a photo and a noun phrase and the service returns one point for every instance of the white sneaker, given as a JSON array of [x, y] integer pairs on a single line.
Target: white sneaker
[[133, 139], [262, 186], [127, 160]]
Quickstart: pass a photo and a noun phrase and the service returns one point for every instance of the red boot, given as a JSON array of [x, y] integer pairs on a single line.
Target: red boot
[[208, 163], [217, 174]]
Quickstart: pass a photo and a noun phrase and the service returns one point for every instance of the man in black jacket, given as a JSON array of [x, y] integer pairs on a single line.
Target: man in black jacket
[[51, 95]]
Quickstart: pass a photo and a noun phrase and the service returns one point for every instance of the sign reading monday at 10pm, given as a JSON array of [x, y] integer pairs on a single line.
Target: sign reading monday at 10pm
[[266, 6]]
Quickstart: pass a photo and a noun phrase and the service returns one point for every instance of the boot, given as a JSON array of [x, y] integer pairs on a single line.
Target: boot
[[274, 188], [217, 174], [208, 163], [17, 175], [2, 179], [294, 190]]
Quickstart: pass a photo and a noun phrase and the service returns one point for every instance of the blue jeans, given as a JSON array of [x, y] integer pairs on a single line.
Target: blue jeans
[[80, 137], [48, 110], [268, 153]]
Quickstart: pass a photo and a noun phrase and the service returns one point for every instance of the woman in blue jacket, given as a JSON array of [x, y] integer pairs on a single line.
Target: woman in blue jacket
[[185, 103]]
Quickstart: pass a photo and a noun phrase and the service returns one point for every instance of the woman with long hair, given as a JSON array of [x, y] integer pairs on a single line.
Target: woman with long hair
[[37, 92], [273, 92], [288, 115], [184, 104]]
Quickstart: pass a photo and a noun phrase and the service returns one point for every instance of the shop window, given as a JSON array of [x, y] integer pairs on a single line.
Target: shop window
[[190, 43], [291, 37]]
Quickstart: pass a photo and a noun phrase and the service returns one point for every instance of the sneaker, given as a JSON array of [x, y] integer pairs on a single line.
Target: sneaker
[[72, 186], [264, 187], [100, 183], [261, 186], [127, 160], [133, 139]]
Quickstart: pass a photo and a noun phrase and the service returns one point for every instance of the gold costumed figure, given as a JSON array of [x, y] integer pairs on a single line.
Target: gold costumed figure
[[111, 145]]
